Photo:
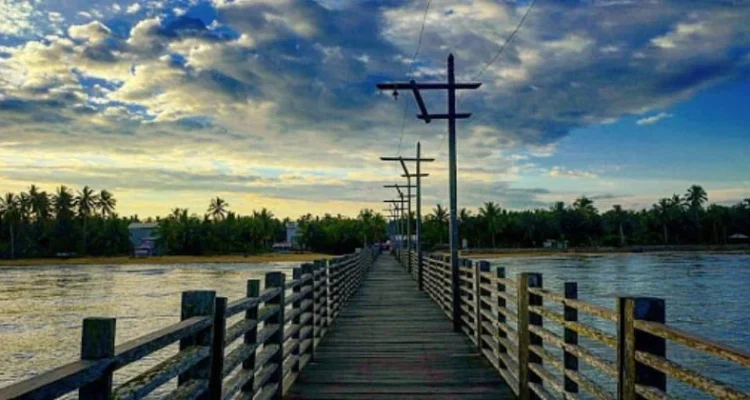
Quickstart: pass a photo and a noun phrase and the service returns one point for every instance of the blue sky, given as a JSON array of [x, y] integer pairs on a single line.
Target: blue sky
[[272, 102]]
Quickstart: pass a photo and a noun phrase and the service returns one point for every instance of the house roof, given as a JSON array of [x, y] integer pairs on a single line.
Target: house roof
[[143, 225]]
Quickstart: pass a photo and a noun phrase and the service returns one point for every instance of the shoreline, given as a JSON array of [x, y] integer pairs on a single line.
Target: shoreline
[[504, 253], [165, 260]]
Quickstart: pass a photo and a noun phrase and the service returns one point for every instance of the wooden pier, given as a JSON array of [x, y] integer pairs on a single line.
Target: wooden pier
[[393, 343], [359, 327]]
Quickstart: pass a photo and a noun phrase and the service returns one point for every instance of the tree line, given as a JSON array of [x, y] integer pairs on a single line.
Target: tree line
[[41, 224], [676, 220], [35, 224]]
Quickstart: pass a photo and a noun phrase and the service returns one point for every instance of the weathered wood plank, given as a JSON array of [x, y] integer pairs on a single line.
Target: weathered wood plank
[[381, 349]]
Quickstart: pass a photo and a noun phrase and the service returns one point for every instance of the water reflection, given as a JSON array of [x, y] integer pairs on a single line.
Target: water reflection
[[41, 308], [707, 294]]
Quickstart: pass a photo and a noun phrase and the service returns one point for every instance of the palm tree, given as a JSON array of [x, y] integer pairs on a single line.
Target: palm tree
[[440, 215], [619, 218], [265, 219], [63, 202], [490, 213], [695, 197], [663, 210], [10, 210], [106, 203], [218, 208], [718, 215], [86, 202], [40, 204]]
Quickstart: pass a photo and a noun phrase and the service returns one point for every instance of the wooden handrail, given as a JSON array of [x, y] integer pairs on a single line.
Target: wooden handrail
[[484, 315], [271, 355]]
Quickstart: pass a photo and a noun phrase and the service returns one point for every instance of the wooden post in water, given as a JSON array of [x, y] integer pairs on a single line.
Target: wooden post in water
[[629, 340], [479, 267], [217, 350], [97, 343], [276, 280], [525, 337], [251, 337], [297, 312], [194, 304], [570, 361]]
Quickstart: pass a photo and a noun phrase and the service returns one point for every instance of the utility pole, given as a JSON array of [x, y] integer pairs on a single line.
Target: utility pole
[[451, 86], [399, 204], [410, 245]]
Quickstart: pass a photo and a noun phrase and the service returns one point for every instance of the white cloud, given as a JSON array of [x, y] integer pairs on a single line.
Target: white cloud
[[653, 119], [133, 8], [560, 172], [16, 18]]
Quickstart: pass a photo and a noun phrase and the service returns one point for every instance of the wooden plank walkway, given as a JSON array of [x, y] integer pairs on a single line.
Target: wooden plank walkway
[[393, 342]]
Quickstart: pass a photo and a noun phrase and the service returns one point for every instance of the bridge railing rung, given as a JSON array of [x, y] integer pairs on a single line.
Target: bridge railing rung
[[276, 343], [531, 336]]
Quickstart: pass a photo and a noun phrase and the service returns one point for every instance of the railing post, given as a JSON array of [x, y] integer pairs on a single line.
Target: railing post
[[325, 309], [501, 319], [97, 343], [525, 337], [455, 294], [420, 267], [479, 267], [570, 336], [197, 303], [310, 297], [276, 280], [217, 349], [251, 337], [297, 310], [630, 340]]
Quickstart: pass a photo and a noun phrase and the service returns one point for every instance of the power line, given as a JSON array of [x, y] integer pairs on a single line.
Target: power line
[[497, 55], [411, 65], [510, 37]]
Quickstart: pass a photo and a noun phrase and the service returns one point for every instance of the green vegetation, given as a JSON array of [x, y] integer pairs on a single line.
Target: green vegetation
[[35, 224], [671, 221]]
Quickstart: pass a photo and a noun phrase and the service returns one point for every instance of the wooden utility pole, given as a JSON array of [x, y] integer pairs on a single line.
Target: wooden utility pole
[[451, 86], [399, 204], [418, 160]]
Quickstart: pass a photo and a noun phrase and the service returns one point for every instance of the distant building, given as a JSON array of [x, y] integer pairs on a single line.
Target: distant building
[[739, 238], [555, 244], [292, 235], [144, 238]]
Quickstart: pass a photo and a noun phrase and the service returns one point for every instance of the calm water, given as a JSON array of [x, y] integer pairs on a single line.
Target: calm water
[[41, 308], [706, 294]]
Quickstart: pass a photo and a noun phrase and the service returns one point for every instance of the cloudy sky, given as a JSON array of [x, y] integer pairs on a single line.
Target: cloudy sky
[[272, 102]]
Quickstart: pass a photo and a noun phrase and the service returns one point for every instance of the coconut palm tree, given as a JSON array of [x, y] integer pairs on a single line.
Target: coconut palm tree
[[106, 203], [619, 215], [490, 214], [10, 212], [40, 203], [695, 197], [218, 208], [85, 203], [440, 215], [265, 221], [663, 210], [63, 202]]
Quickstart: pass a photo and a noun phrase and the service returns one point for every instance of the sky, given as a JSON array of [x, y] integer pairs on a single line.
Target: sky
[[272, 103]]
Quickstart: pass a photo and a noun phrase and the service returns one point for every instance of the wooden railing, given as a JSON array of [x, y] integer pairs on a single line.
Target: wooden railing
[[259, 356], [509, 322]]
